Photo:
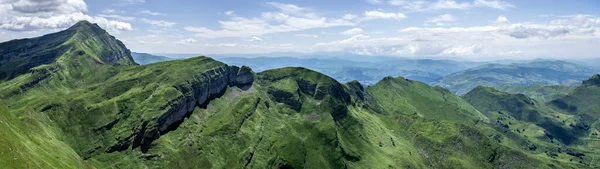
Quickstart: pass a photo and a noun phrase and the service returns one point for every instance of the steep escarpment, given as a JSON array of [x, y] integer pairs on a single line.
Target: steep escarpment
[[166, 104]]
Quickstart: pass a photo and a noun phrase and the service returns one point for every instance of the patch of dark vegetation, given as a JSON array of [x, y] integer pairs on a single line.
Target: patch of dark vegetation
[[286, 98], [564, 106]]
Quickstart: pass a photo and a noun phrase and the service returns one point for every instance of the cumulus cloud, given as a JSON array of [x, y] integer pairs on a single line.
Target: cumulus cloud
[[148, 12], [502, 20], [30, 15], [160, 23], [352, 31], [439, 20], [507, 39], [462, 50], [255, 39], [187, 41], [576, 25], [370, 15], [286, 18]]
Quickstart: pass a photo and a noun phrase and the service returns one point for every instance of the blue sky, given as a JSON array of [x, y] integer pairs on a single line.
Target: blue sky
[[470, 29]]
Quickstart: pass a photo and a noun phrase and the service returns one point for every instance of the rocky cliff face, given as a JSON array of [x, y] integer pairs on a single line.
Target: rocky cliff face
[[199, 93]]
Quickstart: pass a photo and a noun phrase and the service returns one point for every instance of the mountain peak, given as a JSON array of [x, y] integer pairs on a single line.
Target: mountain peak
[[593, 81], [84, 43]]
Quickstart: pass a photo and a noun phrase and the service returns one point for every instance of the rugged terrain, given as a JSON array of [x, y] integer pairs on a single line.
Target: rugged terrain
[[89, 105]]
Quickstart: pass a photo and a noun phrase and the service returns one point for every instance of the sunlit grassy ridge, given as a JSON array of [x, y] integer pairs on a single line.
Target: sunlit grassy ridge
[[82, 111]]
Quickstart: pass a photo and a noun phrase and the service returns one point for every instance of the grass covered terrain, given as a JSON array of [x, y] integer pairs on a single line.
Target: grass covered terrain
[[543, 93], [91, 110]]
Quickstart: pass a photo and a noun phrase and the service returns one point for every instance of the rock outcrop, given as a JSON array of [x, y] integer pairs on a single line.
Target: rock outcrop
[[211, 85]]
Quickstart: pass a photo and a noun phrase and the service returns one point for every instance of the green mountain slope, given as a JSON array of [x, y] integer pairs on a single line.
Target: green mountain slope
[[516, 74], [82, 40], [583, 100], [27, 145], [543, 93], [83, 111], [408, 97], [535, 127]]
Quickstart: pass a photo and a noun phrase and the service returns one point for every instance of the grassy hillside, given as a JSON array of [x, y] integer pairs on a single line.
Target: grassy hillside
[[531, 125], [17, 57], [29, 142], [84, 111], [583, 100], [543, 93]]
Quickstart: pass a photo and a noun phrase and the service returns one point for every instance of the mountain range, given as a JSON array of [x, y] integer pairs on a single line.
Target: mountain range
[[77, 99]]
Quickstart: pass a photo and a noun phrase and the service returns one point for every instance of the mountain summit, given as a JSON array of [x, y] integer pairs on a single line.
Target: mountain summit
[[84, 43], [593, 81]]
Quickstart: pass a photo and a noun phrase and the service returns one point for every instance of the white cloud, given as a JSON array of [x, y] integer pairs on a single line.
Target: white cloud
[[502, 20], [570, 35], [160, 23], [441, 18], [148, 12], [30, 15], [511, 53], [187, 41], [287, 18], [502, 5], [349, 16], [423, 6], [255, 39], [462, 50], [370, 15], [287, 8], [229, 13], [352, 31], [307, 35]]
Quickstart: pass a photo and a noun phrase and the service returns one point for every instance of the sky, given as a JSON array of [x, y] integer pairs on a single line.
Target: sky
[[468, 29]]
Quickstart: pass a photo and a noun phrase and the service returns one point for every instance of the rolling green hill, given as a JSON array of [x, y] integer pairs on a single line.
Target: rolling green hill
[[583, 100], [517, 74], [526, 122], [91, 109], [543, 93]]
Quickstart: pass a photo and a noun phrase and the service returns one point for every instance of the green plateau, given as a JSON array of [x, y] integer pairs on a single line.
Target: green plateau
[[77, 99]]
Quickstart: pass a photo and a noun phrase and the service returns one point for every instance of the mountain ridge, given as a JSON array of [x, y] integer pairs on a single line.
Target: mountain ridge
[[200, 112]]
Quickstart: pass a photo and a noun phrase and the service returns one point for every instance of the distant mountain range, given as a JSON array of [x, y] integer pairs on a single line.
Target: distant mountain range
[[517, 74], [145, 58]]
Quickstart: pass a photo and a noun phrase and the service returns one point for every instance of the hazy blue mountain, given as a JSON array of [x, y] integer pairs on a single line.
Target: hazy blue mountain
[[517, 74], [145, 58], [425, 70]]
